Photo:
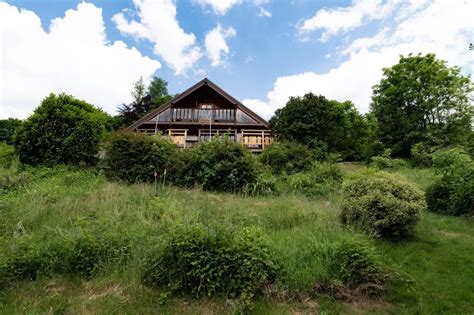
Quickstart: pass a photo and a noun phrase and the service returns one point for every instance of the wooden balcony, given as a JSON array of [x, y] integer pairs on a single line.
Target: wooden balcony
[[254, 140], [202, 115]]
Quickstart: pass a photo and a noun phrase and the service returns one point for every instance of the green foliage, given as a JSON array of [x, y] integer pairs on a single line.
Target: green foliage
[[421, 99], [385, 161], [287, 157], [83, 254], [438, 259], [314, 120], [264, 184], [158, 90], [383, 204], [8, 128], [223, 165], [451, 162], [61, 130], [7, 155], [422, 155], [202, 261], [134, 157], [354, 262], [371, 146], [453, 193], [323, 178], [145, 99]]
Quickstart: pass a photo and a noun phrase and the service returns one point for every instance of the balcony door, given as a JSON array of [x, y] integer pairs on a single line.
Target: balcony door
[[205, 112]]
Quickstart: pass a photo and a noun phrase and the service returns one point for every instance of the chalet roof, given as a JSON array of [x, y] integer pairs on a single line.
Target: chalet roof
[[195, 87]]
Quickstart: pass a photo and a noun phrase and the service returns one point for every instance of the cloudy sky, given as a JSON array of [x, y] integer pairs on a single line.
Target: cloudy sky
[[260, 51]]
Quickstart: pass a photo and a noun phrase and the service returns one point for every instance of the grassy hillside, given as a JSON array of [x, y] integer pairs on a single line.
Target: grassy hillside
[[436, 265]]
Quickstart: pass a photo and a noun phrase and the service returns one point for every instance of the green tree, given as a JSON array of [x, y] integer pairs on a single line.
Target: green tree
[[8, 128], [144, 99], [61, 130], [421, 99], [158, 90], [316, 121], [139, 91]]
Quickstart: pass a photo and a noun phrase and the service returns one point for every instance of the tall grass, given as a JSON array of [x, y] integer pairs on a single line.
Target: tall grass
[[437, 263]]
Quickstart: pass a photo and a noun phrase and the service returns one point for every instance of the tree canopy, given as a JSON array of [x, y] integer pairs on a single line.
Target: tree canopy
[[316, 121], [8, 128], [145, 99], [158, 90], [61, 130], [421, 99]]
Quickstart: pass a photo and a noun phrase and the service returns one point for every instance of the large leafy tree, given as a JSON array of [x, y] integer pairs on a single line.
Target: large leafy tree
[[316, 121], [421, 99], [61, 130]]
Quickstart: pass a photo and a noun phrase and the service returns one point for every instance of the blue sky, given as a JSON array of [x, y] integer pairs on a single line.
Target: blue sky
[[260, 51]]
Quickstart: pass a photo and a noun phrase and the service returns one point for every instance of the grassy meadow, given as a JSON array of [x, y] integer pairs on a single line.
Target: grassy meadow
[[436, 264]]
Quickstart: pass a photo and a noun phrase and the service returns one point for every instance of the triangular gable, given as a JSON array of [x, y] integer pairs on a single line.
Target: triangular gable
[[189, 91]]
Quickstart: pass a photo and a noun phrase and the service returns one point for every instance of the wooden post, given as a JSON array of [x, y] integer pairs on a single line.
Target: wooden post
[[185, 137], [263, 140]]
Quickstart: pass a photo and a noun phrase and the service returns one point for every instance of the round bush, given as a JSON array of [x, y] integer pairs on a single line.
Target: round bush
[[383, 204], [223, 165], [202, 261], [134, 157], [287, 157], [61, 130]]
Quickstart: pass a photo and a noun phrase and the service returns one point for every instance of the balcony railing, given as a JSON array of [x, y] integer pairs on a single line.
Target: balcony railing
[[202, 115]]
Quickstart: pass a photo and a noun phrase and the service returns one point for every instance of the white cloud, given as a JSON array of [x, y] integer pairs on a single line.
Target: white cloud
[[216, 45], [74, 56], [264, 13], [260, 107], [333, 21], [158, 24], [219, 7], [441, 27]]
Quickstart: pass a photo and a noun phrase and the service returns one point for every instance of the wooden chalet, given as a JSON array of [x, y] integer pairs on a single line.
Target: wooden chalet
[[204, 111]]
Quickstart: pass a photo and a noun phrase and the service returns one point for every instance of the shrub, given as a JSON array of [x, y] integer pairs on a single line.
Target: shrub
[[61, 130], [383, 204], [202, 261], [438, 195], [321, 179], [422, 155], [324, 172], [264, 184], [287, 157], [354, 263], [452, 162], [223, 165], [183, 170], [134, 157], [385, 161], [371, 149], [453, 193]]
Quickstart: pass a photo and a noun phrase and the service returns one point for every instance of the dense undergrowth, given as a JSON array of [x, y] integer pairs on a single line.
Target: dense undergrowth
[[95, 246]]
